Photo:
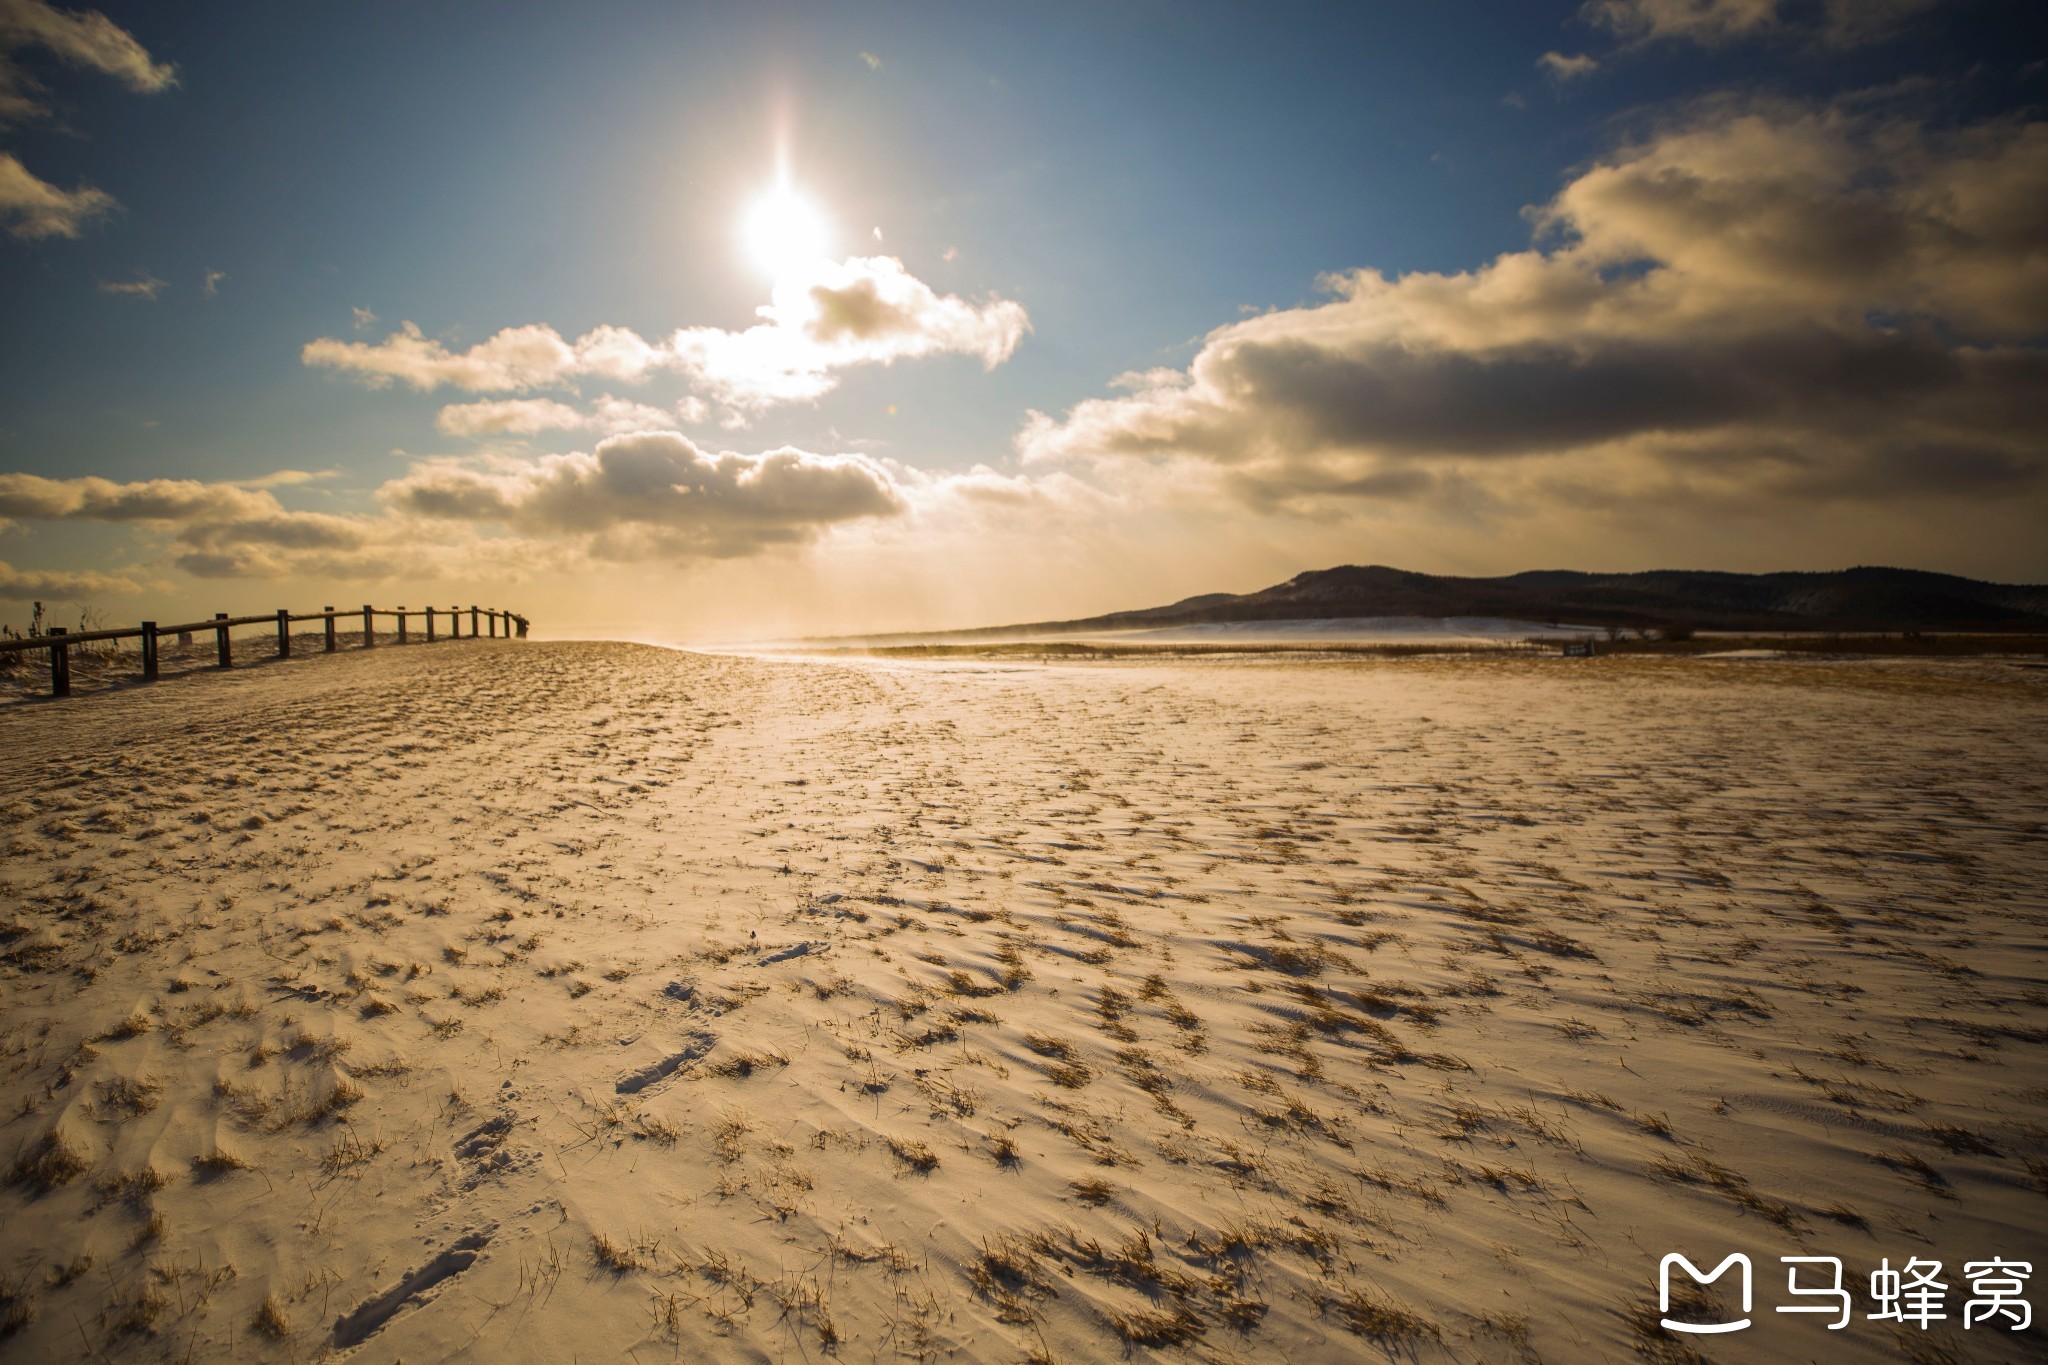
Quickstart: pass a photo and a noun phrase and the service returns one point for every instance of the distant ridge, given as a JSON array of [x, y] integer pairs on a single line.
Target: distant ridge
[[1859, 599]]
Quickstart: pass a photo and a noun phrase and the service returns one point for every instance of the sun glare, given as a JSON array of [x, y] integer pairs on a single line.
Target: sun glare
[[783, 231]]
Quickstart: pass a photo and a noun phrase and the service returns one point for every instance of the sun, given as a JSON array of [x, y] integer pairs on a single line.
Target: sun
[[783, 231]]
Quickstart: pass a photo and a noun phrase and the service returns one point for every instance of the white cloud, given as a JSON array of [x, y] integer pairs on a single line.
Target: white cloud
[[33, 208], [1765, 302], [210, 284], [874, 63]]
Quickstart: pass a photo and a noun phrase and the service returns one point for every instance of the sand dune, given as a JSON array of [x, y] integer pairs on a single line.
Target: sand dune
[[570, 1001]]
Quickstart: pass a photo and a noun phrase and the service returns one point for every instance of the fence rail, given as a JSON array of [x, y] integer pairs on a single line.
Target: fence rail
[[487, 621]]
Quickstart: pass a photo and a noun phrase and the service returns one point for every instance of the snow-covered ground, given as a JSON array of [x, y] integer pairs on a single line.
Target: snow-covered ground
[[586, 1001]]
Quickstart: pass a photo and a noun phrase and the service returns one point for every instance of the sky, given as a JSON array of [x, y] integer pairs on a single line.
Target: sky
[[686, 322]]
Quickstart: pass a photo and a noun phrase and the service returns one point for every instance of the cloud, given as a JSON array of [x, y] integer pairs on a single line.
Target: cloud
[[31, 497], [206, 519], [87, 39], [33, 208], [655, 495], [1714, 23], [652, 496], [364, 318], [240, 530], [527, 416], [143, 286], [865, 310], [874, 63], [32, 585], [1761, 301], [512, 360], [210, 284], [287, 478], [1562, 68]]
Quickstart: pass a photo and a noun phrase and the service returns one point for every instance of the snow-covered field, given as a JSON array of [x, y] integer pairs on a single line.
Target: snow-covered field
[[560, 1002]]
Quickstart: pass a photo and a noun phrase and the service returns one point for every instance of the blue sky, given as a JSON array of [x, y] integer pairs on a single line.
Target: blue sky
[[1096, 190]]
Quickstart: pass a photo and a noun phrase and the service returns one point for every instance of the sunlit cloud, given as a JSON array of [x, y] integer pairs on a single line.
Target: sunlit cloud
[[32, 208], [33, 585], [1762, 303], [865, 310], [514, 359], [31, 497], [822, 318], [530, 416], [1564, 68], [88, 39]]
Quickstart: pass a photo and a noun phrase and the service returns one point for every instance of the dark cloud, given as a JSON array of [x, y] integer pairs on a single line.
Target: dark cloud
[[657, 495]]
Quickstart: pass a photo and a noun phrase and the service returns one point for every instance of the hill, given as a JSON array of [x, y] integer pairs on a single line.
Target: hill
[[1858, 599]]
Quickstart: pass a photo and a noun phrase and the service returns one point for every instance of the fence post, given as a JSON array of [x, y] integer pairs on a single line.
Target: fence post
[[284, 633], [227, 657], [401, 625], [430, 625], [330, 628], [149, 669], [472, 620], [491, 623], [60, 663], [369, 629], [522, 627], [455, 622]]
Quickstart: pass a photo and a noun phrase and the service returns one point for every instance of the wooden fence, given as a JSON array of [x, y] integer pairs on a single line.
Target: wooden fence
[[482, 621]]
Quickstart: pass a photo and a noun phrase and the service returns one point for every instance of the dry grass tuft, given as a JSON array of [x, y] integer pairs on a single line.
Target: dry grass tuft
[[1174, 1325], [914, 1154], [350, 1153], [271, 1320], [47, 1163], [132, 1187], [1366, 1315], [219, 1162], [616, 1256]]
